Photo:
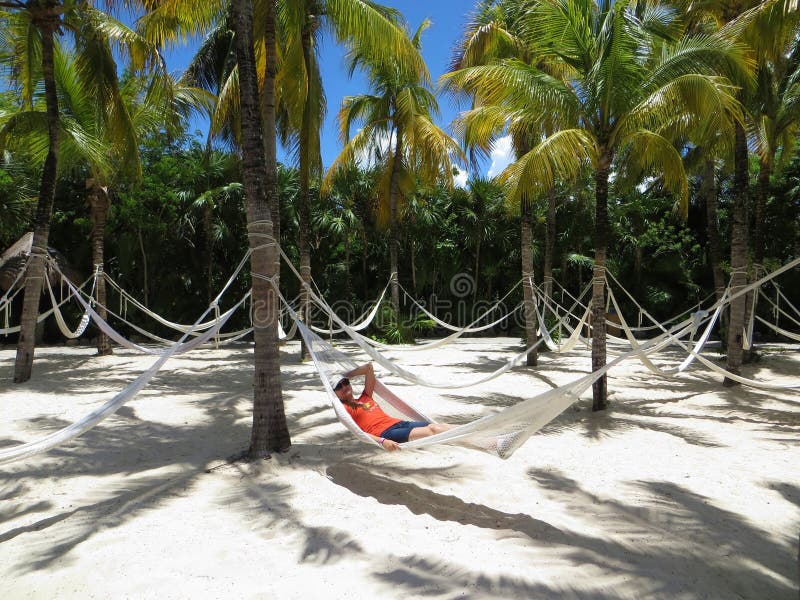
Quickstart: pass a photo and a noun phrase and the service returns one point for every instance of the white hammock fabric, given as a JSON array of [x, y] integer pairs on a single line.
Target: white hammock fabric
[[400, 371], [574, 336], [640, 327], [6, 330], [62, 325], [155, 316], [502, 433], [626, 341], [435, 343], [469, 328], [779, 330], [690, 325], [786, 300], [698, 317], [694, 353], [365, 319], [83, 425], [777, 312], [177, 348], [499, 434], [220, 339], [8, 297]]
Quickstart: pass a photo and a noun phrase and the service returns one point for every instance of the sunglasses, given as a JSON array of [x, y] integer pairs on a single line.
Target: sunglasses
[[341, 384]]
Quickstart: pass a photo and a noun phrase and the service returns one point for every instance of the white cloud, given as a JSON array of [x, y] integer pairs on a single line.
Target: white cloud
[[460, 179], [502, 155]]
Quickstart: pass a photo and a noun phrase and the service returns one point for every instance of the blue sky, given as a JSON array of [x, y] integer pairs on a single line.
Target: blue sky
[[448, 18]]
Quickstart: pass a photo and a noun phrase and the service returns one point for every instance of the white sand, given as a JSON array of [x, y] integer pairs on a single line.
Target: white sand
[[683, 489]]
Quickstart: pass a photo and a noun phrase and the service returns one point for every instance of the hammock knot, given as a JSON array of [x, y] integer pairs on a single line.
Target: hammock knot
[[272, 280]]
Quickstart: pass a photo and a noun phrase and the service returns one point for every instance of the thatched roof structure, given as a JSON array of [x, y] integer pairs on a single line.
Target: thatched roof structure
[[14, 259]]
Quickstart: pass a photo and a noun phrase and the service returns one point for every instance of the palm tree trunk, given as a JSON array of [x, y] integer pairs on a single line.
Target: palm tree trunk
[[304, 210], [764, 174], [304, 219], [599, 388], [709, 193], [527, 283], [48, 25], [145, 284], [260, 179], [347, 281], [414, 267], [477, 268], [759, 243], [99, 204], [364, 264], [637, 268], [549, 244], [738, 252], [208, 224], [394, 241]]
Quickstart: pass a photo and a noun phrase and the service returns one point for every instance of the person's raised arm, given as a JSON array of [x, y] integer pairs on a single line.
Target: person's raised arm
[[369, 377]]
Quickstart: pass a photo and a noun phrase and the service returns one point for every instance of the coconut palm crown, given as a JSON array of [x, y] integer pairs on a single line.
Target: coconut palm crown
[[398, 133], [626, 72]]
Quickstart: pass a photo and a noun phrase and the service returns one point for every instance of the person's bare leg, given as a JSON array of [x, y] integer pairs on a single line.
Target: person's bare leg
[[428, 430]]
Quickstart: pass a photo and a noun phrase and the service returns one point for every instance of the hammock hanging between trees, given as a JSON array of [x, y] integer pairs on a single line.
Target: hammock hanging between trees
[[503, 432], [499, 434]]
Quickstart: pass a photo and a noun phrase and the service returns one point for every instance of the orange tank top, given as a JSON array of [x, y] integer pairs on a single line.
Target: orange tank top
[[369, 416]]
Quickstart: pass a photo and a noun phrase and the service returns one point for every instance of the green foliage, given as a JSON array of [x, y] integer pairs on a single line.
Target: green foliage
[[394, 330], [16, 205]]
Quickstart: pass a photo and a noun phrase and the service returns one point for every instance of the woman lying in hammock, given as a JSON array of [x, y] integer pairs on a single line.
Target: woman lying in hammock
[[387, 431]]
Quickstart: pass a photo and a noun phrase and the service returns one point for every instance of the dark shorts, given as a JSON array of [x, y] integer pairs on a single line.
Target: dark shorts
[[399, 432]]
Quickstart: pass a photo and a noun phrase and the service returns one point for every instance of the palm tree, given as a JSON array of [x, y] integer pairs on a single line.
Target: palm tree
[[146, 105], [45, 19], [260, 179], [423, 222], [398, 134], [479, 224], [30, 30], [776, 112], [216, 187], [761, 25], [337, 216], [628, 70], [300, 94], [169, 19], [303, 98], [493, 35], [352, 191]]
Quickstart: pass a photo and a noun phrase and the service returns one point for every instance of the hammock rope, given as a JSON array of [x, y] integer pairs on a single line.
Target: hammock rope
[[41, 317], [499, 434], [57, 438], [365, 318], [469, 328], [502, 433]]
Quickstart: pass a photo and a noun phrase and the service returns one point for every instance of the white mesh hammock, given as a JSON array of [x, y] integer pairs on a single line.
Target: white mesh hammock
[[57, 438], [498, 434], [503, 432], [362, 322]]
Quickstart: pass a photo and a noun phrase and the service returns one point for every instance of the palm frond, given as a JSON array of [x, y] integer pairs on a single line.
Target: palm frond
[[654, 153], [561, 154], [361, 24]]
